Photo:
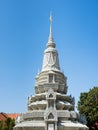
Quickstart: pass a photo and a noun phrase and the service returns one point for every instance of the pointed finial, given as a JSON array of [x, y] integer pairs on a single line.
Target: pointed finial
[[50, 40], [51, 24], [38, 71], [50, 17]]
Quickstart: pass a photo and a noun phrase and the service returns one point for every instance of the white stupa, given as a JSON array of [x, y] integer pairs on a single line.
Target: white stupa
[[50, 108]]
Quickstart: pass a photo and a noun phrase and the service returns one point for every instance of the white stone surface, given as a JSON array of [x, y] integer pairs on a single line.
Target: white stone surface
[[50, 108]]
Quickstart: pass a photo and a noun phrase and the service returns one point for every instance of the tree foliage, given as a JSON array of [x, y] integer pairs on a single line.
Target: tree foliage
[[7, 124], [88, 105]]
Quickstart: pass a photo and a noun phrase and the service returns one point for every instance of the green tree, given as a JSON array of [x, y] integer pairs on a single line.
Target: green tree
[[88, 106], [7, 124], [12, 124], [1, 124], [4, 126]]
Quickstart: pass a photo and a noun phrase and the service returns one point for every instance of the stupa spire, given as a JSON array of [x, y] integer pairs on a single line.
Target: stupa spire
[[51, 60], [51, 40], [50, 35]]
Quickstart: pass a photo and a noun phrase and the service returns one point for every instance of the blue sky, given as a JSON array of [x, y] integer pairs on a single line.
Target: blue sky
[[24, 31]]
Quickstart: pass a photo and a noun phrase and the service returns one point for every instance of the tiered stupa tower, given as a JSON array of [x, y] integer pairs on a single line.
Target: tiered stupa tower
[[50, 108]]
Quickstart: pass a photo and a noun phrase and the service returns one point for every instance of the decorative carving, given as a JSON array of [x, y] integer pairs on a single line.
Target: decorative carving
[[50, 116], [50, 96]]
